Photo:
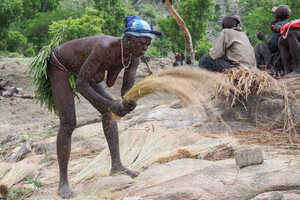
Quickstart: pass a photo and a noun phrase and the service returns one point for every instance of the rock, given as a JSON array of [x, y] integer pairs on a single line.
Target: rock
[[220, 152], [3, 83], [20, 152], [269, 196], [248, 156], [10, 92]]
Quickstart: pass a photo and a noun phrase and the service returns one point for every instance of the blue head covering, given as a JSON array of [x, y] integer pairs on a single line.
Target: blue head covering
[[136, 26]]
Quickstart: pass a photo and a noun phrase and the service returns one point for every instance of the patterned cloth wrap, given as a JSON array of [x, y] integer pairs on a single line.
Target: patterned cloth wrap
[[284, 30], [136, 26]]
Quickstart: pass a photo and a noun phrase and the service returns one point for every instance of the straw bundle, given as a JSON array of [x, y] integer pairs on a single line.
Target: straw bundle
[[39, 77], [184, 82], [241, 83]]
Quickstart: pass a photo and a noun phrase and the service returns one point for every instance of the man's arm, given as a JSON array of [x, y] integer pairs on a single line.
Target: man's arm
[[86, 79], [219, 49], [129, 76]]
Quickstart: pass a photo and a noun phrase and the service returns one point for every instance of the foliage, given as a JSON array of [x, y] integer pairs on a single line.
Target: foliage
[[196, 15], [36, 29], [35, 182], [10, 10], [160, 47], [20, 193], [257, 15], [15, 40], [38, 73], [29, 52], [114, 13], [202, 47], [89, 24]]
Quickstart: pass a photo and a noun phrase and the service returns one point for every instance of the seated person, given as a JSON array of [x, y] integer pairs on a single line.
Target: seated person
[[281, 14], [262, 51], [231, 49], [289, 45], [179, 59]]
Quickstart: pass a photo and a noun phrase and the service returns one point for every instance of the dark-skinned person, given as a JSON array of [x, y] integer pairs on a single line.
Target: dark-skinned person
[[262, 52], [289, 45], [95, 61], [232, 48], [267, 51]]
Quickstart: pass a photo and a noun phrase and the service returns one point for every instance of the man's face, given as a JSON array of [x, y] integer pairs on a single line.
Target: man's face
[[141, 45]]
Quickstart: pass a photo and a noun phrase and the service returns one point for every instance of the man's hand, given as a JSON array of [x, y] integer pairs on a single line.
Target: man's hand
[[121, 108], [275, 28]]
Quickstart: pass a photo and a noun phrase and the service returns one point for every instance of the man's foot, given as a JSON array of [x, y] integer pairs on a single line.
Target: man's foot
[[65, 191], [125, 171]]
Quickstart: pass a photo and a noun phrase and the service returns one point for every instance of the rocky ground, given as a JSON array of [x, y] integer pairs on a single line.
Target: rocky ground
[[180, 152]]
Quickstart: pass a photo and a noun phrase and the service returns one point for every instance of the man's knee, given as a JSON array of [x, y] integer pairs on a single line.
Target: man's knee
[[68, 126]]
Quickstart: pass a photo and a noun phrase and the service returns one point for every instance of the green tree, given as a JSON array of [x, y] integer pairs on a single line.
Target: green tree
[[114, 13], [89, 24], [257, 15], [196, 15], [10, 10], [36, 29], [15, 41], [32, 7]]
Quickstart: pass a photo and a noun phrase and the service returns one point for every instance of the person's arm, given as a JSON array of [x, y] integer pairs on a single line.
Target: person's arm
[[95, 93], [219, 49], [129, 76]]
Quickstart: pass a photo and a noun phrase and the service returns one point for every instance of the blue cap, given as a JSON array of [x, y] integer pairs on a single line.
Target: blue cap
[[136, 26]]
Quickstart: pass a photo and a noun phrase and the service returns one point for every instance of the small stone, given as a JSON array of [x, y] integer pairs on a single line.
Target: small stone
[[269, 196], [248, 156]]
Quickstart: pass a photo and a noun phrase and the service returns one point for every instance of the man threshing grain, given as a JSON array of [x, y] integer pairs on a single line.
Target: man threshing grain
[[231, 49], [89, 59]]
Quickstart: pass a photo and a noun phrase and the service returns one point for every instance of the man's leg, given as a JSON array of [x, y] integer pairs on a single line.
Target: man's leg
[[110, 129], [294, 46], [284, 54], [64, 101]]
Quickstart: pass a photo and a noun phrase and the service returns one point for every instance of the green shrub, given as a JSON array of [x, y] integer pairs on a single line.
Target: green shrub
[[87, 25], [202, 47], [15, 41], [153, 52], [29, 52]]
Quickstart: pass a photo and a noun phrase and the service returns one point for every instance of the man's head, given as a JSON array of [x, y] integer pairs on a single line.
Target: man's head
[[139, 45], [230, 21], [139, 33], [282, 12], [261, 36]]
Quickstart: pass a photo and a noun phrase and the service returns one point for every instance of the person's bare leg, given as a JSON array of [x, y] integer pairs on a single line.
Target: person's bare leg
[[294, 46], [110, 129], [64, 101], [284, 55]]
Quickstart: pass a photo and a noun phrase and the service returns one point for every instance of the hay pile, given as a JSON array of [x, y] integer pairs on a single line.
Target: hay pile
[[241, 84], [190, 84], [194, 85]]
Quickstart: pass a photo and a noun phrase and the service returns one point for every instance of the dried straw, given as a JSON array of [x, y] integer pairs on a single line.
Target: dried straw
[[242, 83], [184, 82]]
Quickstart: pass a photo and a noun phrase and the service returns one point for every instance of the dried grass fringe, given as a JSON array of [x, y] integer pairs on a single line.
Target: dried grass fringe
[[39, 77], [241, 83]]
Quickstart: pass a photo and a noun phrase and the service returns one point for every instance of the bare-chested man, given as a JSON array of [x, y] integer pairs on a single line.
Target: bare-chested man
[[90, 59]]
